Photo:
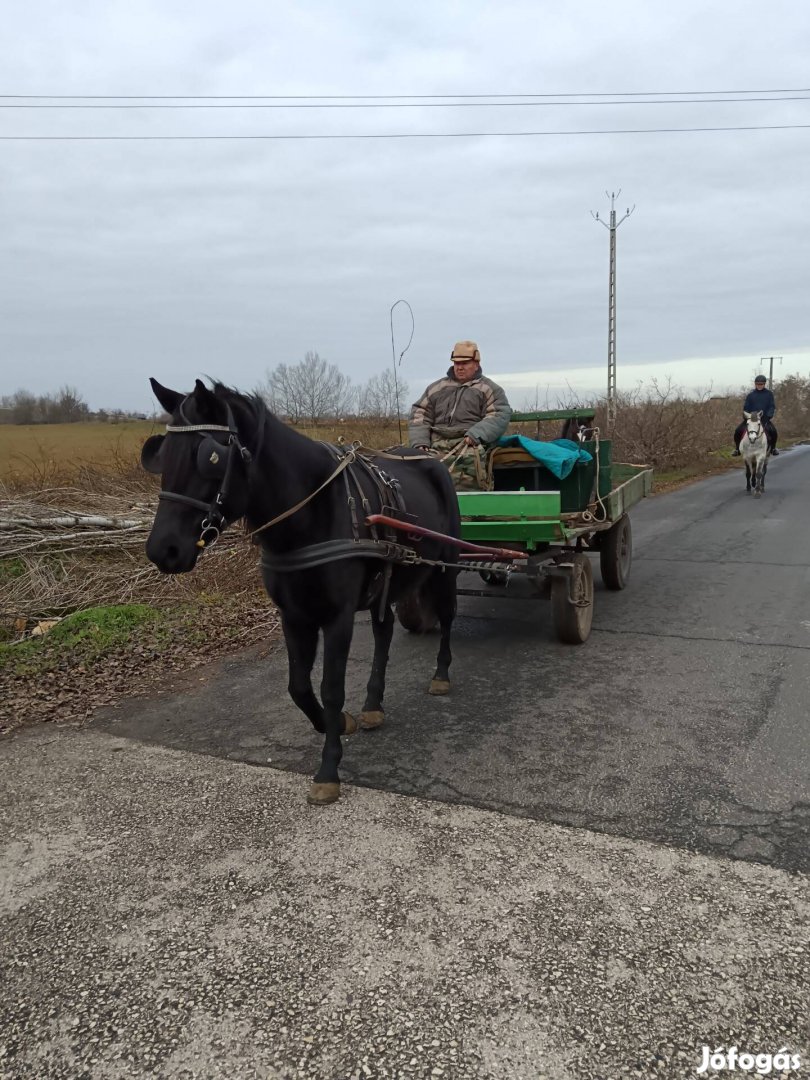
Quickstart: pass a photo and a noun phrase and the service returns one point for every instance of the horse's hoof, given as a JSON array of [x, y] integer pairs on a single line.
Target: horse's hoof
[[349, 724], [372, 719], [438, 687], [323, 794]]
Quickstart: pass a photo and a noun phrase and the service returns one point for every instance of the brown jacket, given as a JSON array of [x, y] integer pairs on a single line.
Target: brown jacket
[[451, 409]]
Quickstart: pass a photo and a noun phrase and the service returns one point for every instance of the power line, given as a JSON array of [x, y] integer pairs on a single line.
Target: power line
[[396, 135], [382, 97], [437, 104]]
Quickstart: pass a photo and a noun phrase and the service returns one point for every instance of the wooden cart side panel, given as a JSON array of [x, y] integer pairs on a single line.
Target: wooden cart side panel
[[634, 484]]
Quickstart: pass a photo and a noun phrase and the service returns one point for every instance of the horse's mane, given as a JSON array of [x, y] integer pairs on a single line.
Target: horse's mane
[[254, 401]]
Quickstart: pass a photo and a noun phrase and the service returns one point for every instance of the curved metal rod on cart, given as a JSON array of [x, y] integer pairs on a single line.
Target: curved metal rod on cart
[[464, 545]]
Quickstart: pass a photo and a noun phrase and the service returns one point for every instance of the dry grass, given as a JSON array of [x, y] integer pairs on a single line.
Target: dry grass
[[35, 456]]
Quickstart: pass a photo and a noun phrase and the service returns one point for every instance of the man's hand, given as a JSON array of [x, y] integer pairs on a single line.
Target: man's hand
[[470, 441]]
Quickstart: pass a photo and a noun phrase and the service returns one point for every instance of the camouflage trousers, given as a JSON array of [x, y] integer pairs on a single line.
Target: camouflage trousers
[[468, 465]]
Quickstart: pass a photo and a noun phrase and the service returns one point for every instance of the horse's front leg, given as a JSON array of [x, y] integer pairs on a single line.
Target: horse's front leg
[[337, 638], [757, 479], [444, 584], [747, 479], [372, 715], [301, 639]]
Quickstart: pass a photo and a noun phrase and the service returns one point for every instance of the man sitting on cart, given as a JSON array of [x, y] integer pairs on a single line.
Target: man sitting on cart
[[460, 416]]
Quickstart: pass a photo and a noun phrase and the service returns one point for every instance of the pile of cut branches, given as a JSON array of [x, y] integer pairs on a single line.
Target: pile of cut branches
[[63, 549]]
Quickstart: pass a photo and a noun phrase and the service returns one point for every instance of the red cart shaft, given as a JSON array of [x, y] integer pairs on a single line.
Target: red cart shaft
[[464, 545]]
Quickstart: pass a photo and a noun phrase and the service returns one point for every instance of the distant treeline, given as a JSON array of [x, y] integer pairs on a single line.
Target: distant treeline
[[311, 391], [66, 406]]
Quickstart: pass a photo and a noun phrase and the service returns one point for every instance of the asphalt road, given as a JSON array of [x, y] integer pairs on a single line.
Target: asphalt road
[[166, 911], [683, 719]]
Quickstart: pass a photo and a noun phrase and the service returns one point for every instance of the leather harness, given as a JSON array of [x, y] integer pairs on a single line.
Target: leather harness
[[382, 543]]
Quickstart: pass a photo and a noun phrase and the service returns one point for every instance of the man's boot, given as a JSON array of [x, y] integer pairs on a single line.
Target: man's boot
[[735, 452], [774, 452]]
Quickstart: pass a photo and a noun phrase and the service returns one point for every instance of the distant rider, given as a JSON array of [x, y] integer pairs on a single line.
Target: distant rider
[[761, 400]]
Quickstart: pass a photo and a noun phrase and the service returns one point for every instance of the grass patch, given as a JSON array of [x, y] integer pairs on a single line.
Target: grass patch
[[10, 569], [82, 639]]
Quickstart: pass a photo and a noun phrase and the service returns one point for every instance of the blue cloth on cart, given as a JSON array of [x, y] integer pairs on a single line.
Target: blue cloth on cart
[[559, 456]]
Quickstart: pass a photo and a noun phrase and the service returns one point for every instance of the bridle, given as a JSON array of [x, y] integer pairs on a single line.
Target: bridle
[[760, 428], [214, 521]]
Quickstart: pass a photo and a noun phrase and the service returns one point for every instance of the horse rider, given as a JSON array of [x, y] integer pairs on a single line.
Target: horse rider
[[460, 416], [761, 400]]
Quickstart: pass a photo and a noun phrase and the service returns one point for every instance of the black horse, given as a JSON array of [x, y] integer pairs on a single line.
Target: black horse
[[225, 457]]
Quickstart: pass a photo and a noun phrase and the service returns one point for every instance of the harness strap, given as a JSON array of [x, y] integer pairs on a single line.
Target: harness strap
[[173, 496], [344, 464], [351, 456], [334, 551]]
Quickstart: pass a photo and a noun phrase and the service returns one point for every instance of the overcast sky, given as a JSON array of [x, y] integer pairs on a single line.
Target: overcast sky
[[124, 259]]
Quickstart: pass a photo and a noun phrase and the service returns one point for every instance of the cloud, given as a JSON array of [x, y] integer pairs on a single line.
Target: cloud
[[175, 258]]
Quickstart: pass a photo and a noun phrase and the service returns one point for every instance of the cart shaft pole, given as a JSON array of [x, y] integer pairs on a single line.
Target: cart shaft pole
[[464, 545]]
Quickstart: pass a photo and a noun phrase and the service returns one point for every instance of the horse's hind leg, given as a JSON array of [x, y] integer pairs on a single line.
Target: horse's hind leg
[[444, 593], [337, 638], [301, 639], [372, 715]]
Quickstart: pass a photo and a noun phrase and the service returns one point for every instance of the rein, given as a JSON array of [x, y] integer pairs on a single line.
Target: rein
[[349, 458], [345, 462]]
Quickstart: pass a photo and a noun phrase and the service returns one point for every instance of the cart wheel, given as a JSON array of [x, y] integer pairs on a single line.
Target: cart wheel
[[616, 554], [493, 577], [572, 620], [416, 613]]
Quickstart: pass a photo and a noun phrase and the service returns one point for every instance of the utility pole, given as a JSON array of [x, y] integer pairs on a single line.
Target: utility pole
[[770, 373], [612, 227]]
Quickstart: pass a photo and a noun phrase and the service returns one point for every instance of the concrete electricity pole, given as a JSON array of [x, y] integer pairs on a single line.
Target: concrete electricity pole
[[770, 374], [612, 227]]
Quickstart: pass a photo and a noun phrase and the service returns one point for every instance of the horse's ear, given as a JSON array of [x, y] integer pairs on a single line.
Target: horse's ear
[[169, 399], [207, 401], [747, 415]]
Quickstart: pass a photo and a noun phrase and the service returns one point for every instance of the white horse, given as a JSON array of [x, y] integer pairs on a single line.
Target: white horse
[[755, 452]]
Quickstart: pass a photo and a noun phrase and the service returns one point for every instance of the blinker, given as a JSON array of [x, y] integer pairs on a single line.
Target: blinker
[[212, 459]]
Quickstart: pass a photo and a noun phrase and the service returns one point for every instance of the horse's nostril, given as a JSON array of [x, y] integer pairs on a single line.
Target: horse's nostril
[[172, 555]]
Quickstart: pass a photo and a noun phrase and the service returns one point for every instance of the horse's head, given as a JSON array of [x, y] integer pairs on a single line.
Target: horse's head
[[754, 425], [202, 463]]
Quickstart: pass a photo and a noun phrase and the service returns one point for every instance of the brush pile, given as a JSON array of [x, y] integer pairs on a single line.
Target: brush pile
[[63, 549]]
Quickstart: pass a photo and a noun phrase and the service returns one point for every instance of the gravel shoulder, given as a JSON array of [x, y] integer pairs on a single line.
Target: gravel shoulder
[[176, 915]]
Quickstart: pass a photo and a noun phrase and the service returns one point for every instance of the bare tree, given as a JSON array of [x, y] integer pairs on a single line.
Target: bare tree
[[24, 408], [69, 405], [66, 407], [309, 390], [382, 397]]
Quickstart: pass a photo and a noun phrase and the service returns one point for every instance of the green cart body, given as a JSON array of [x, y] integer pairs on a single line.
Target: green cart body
[[556, 523]]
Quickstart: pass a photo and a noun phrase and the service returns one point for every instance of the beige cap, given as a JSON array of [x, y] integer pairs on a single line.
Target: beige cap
[[465, 350]]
